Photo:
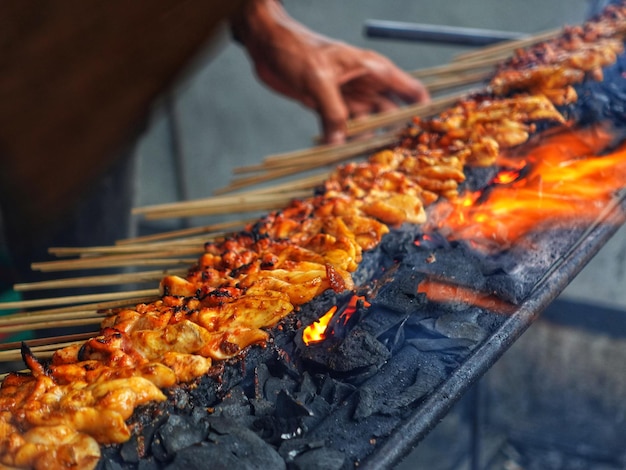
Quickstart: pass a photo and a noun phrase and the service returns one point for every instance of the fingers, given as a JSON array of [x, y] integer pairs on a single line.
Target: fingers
[[393, 80], [325, 93], [362, 106], [406, 87]]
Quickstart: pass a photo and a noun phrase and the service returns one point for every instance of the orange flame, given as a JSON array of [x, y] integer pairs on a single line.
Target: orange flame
[[567, 181], [506, 177], [351, 307], [316, 332]]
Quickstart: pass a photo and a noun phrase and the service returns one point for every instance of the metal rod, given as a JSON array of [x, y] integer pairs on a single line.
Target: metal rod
[[437, 33]]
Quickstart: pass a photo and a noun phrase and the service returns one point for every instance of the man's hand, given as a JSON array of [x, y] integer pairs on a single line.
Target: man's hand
[[333, 78]]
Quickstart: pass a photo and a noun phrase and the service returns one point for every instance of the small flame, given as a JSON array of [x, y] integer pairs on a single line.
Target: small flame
[[316, 332], [351, 307], [565, 180]]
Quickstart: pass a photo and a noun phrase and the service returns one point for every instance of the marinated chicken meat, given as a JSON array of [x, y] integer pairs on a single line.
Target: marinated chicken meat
[[552, 68]]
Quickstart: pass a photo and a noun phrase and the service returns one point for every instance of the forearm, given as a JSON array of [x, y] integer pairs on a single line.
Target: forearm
[[256, 19]]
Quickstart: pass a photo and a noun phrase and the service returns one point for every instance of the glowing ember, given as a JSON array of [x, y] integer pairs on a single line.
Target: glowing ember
[[422, 239], [506, 177], [316, 332], [566, 181], [442, 292]]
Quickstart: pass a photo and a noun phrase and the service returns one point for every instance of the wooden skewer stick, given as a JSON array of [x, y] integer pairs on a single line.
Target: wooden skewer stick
[[509, 46], [255, 203], [274, 204], [307, 182], [401, 115], [289, 164], [455, 68], [330, 153], [446, 83], [51, 341], [141, 259], [269, 175], [54, 323], [221, 201], [77, 299], [98, 307], [101, 280], [36, 317], [182, 233], [185, 246], [358, 147], [278, 194]]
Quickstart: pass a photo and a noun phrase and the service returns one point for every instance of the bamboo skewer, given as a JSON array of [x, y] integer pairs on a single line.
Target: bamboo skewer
[[446, 83], [291, 163], [509, 46], [403, 114], [76, 299], [188, 245], [270, 175], [53, 323], [216, 202], [183, 233], [259, 202], [72, 311], [330, 153], [100, 280], [36, 317], [136, 259], [50, 342], [99, 307], [276, 197], [455, 68]]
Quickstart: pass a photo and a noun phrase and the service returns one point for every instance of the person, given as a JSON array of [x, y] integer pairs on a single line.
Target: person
[[79, 79]]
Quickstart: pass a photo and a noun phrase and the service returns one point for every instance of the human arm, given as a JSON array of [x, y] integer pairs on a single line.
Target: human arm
[[335, 79]]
